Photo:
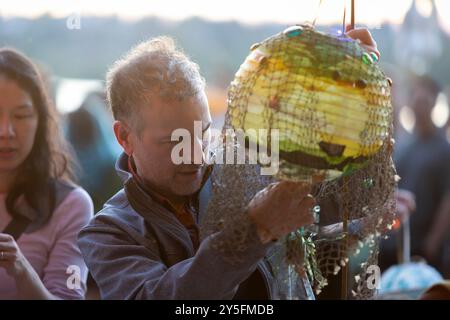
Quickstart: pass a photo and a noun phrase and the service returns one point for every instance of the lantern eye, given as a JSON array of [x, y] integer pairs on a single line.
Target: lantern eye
[[336, 75], [332, 149], [254, 46], [361, 84]]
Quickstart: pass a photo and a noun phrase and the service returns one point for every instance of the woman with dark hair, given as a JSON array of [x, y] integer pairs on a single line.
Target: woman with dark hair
[[41, 209]]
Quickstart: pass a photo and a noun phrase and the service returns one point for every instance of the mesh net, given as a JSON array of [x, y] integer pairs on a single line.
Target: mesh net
[[326, 95], [330, 102]]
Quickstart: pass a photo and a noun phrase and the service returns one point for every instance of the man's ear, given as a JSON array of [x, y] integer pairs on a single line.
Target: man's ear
[[123, 136]]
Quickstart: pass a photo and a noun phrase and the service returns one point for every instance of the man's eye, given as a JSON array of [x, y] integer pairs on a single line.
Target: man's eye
[[174, 141]]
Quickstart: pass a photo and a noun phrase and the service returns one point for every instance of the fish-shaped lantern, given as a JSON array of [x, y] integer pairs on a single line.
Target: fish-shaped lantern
[[325, 94]]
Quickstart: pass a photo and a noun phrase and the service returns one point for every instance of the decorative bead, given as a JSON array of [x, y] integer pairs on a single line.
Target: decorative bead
[[374, 56], [361, 84], [316, 212], [389, 80], [336, 269], [254, 46], [336, 75], [258, 56], [293, 31], [368, 183], [366, 58]]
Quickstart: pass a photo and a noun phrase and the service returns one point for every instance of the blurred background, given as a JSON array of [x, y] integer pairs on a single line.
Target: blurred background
[[74, 42]]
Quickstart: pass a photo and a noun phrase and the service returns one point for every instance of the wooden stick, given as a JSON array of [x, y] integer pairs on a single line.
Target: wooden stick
[[352, 20], [345, 269], [343, 19], [345, 217]]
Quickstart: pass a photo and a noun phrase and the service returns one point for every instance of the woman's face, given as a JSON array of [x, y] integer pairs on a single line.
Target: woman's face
[[18, 125]]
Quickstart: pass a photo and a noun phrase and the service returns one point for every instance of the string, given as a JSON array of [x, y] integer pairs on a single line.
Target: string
[[317, 13], [352, 16], [352, 20], [344, 18]]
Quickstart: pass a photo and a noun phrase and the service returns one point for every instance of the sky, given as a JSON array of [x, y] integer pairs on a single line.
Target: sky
[[371, 13], [368, 12]]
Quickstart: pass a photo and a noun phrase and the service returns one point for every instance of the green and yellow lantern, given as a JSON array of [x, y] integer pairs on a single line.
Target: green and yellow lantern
[[326, 95]]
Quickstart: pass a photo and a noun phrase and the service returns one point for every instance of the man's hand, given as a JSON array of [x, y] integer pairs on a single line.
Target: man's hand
[[364, 36], [281, 208]]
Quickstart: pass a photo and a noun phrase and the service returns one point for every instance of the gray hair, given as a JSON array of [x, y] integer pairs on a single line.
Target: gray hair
[[152, 68]]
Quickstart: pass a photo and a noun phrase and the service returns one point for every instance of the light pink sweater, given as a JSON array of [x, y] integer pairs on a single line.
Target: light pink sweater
[[52, 250]]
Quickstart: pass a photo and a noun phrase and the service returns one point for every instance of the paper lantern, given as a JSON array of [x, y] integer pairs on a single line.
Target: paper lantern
[[326, 95], [330, 102]]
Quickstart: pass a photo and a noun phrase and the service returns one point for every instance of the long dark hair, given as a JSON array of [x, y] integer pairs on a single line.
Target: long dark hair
[[48, 161]]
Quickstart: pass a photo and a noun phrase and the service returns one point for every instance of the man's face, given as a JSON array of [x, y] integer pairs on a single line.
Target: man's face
[[151, 146]]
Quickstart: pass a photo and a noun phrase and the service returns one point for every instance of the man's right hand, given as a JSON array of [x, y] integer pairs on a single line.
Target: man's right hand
[[281, 208]]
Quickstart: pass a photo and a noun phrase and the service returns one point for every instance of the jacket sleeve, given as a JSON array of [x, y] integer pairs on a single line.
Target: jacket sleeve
[[124, 269]]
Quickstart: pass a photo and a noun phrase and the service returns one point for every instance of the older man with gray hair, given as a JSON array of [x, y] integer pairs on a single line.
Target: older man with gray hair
[[144, 243]]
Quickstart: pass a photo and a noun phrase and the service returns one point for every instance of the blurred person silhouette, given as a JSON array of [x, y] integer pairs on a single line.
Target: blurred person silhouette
[[424, 168], [88, 129]]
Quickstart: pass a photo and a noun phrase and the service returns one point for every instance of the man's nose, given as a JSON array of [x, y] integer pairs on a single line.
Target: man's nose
[[198, 151], [6, 128]]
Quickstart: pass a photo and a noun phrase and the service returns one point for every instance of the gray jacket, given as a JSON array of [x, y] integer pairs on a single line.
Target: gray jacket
[[137, 249]]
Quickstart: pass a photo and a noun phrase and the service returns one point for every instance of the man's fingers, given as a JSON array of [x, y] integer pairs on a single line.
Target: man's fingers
[[362, 34], [310, 220], [308, 201], [300, 189], [305, 219], [366, 39]]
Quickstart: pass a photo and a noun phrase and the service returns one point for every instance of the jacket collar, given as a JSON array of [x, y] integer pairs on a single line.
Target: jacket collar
[[122, 168], [126, 177], [161, 221]]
